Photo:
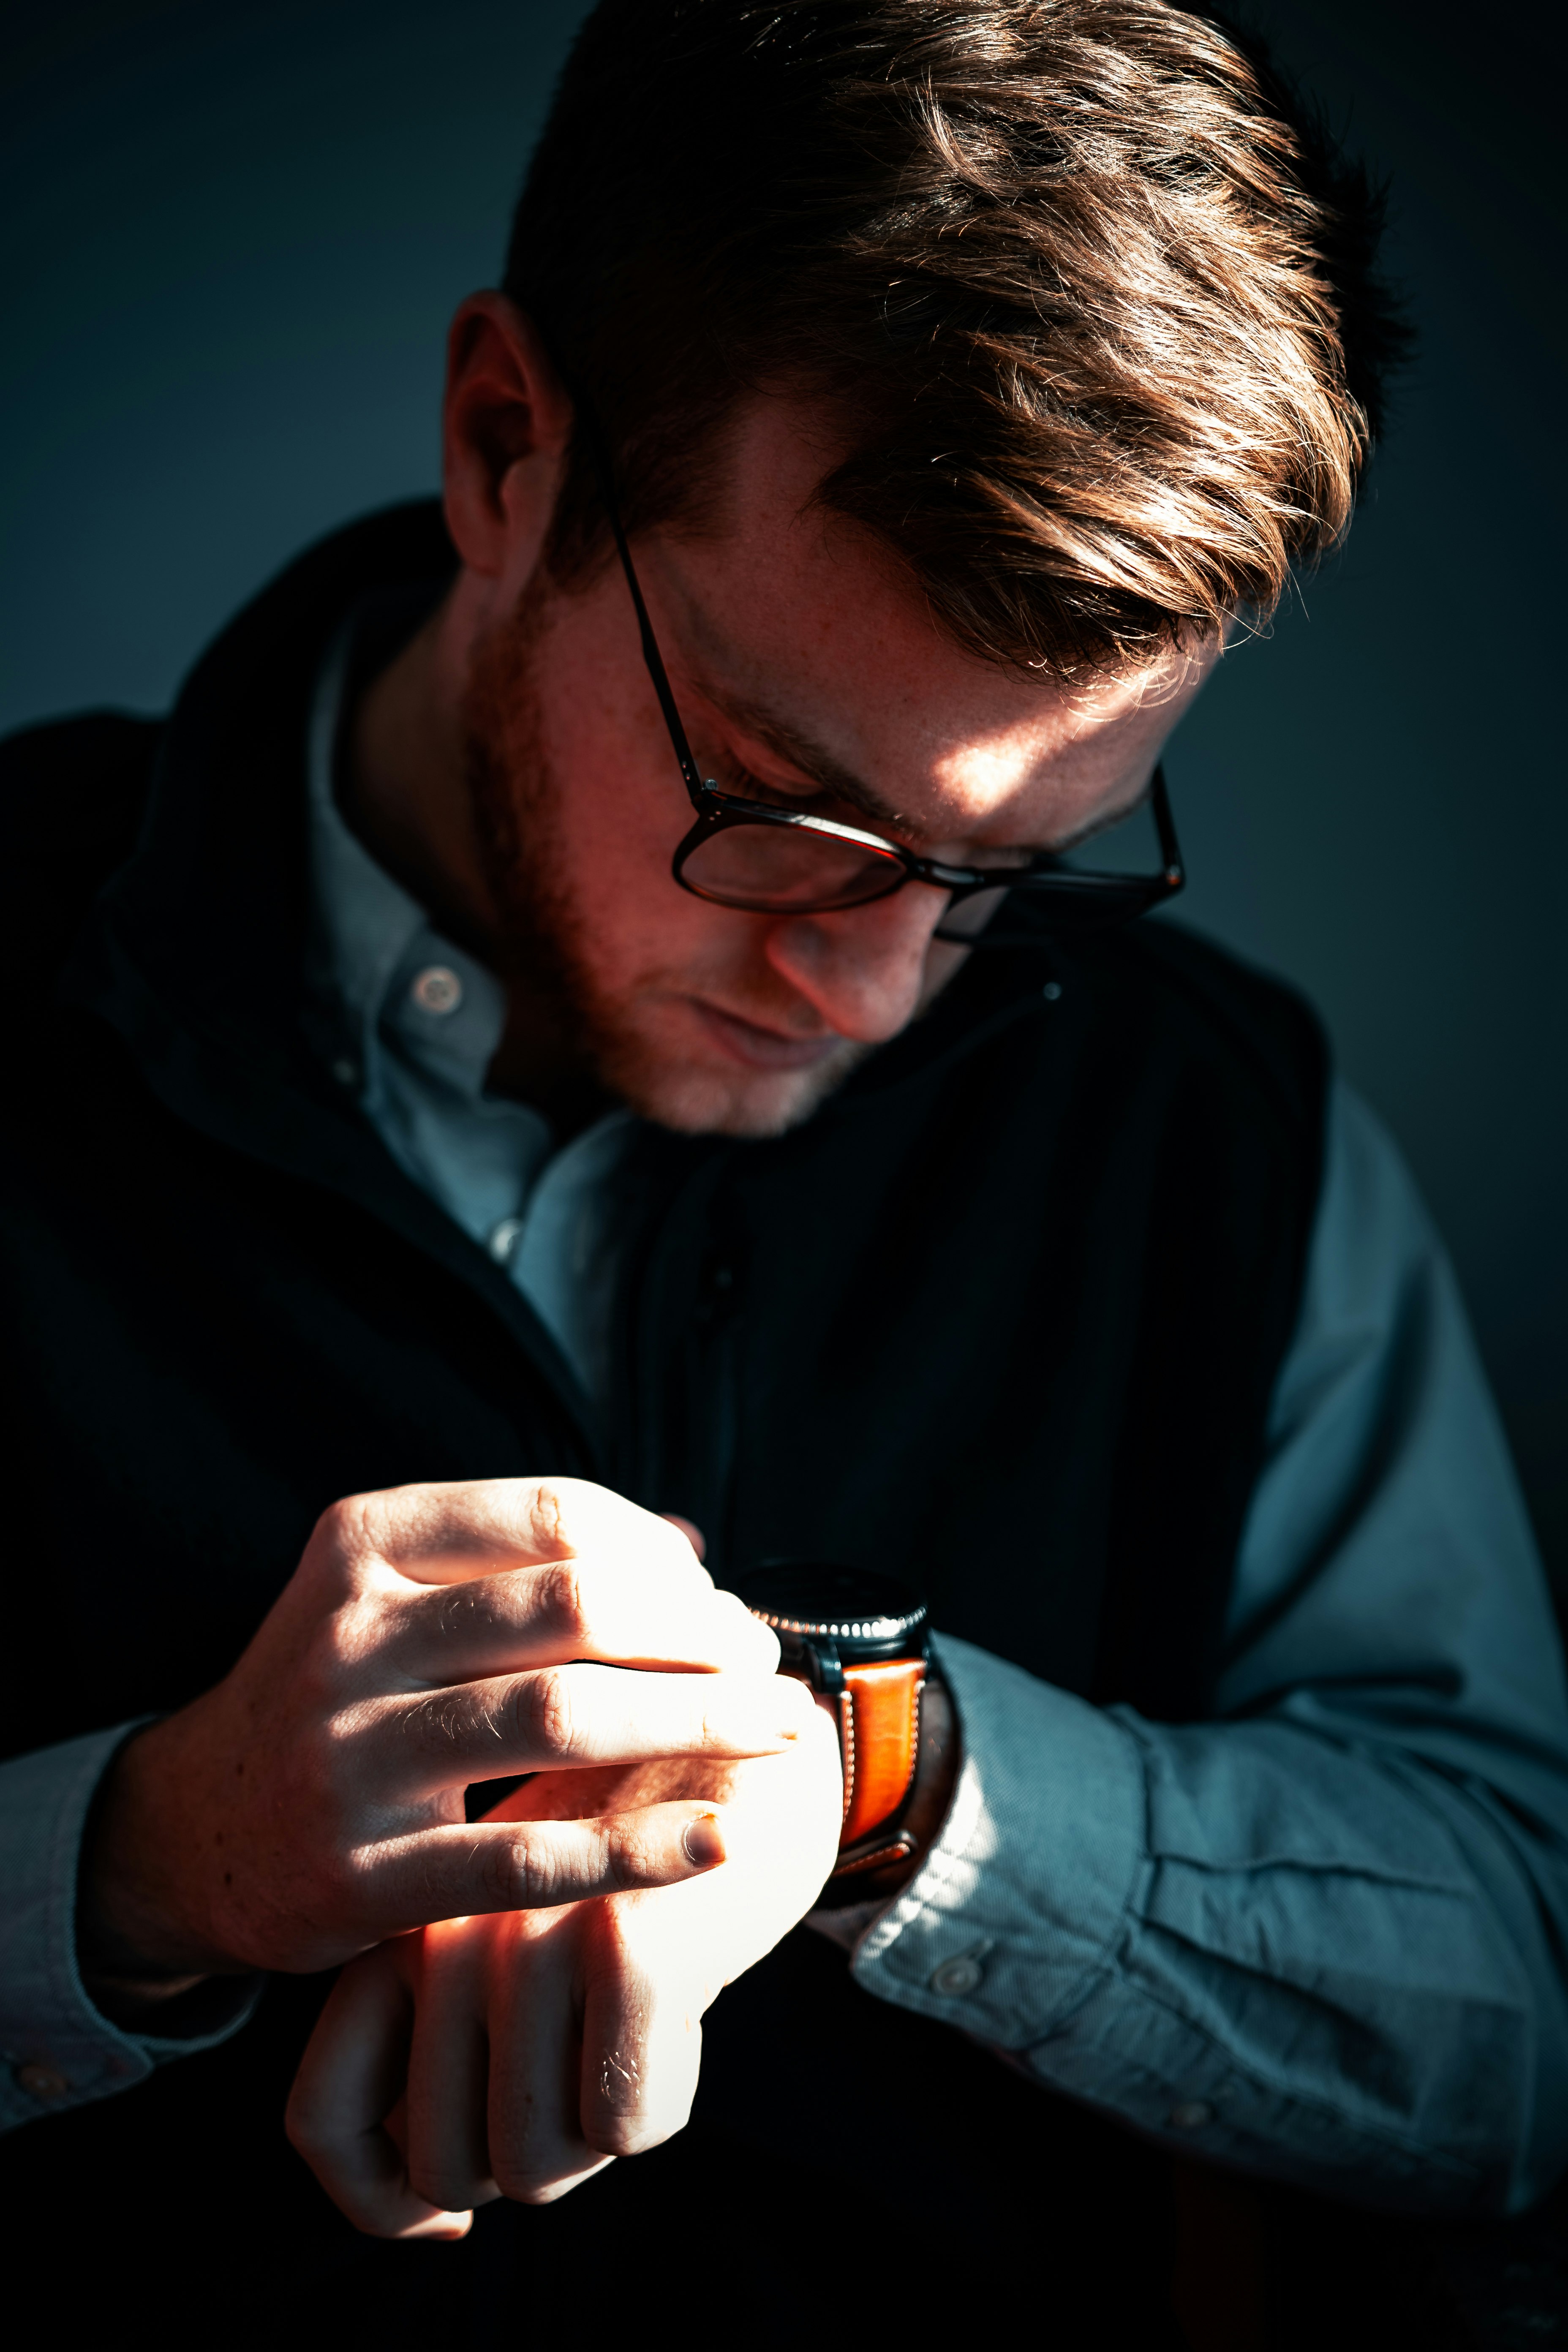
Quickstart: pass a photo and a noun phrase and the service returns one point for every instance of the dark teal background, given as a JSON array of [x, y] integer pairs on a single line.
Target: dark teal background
[[233, 235]]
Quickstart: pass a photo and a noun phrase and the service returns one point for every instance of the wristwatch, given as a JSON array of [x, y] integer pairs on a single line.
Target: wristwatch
[[861, 1641]]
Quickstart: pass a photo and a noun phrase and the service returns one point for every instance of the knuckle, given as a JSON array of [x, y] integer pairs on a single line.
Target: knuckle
[[359, 1534], [564, 1602], [546, 1513], [544, 1712], [343, 1522], [340, 1537], [629, 1861], [377, 1528], [521, 1875]]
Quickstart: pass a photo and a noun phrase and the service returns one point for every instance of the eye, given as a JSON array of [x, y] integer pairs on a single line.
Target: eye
[[746, 785]]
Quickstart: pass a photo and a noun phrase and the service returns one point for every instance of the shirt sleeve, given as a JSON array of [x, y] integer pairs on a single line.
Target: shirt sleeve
[[57, 2051], [1320, 1936]]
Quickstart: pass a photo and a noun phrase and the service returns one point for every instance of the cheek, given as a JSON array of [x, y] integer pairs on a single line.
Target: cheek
[[620, 813], [620, 807]]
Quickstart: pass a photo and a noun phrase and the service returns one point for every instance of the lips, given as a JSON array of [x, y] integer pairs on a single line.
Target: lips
[[765, 1049]]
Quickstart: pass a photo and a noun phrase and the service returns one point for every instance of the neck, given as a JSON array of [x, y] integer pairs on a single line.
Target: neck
[[403, 789], [405, 793]]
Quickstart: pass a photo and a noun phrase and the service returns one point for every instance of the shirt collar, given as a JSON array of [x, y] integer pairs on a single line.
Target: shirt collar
[[375, 963]]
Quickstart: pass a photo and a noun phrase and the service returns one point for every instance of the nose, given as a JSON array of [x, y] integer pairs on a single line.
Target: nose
[[862, 971]]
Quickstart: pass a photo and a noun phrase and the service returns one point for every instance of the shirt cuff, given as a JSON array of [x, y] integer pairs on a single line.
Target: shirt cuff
[[57, 2051], [1019, 1908]]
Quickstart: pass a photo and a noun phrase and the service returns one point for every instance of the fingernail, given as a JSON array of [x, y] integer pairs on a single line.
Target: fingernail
[[704, 1841]]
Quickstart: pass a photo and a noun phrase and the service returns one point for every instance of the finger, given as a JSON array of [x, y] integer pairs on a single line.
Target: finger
[[448, 1534], [534, 2132], [690, 1530], [642, 2043], [449, 2067], [566, 1715], [611, 1611], [348, 2083], [483, 1867]]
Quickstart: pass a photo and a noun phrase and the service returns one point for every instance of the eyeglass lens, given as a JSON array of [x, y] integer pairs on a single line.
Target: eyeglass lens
[[775, 867], [789, 870]]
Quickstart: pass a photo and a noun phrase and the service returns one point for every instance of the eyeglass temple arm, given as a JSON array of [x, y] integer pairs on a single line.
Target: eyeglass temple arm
[[1165, 826], [651, 656]]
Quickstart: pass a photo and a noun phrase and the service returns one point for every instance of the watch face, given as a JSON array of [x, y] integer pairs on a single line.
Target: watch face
[[864, 1616]]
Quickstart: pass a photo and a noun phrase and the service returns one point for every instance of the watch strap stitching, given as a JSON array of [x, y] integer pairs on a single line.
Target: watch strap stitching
[[895, 1850]]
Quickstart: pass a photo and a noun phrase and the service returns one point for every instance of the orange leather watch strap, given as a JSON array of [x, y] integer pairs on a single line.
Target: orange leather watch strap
[[879, 1726]]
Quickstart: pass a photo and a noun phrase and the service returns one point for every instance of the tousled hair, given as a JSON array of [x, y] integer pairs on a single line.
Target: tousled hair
[[1092, 294]]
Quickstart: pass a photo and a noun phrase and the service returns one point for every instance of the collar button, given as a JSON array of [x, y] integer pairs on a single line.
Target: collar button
[[438, 990]]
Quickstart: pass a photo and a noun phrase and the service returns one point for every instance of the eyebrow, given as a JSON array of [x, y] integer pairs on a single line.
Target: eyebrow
[[801, 752]]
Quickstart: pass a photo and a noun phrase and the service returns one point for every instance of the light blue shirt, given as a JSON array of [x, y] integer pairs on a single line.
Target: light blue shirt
[[1317, 1936], [415, 1023]]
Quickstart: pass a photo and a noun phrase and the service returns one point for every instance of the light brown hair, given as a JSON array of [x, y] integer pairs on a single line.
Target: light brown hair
[[1092, 291]]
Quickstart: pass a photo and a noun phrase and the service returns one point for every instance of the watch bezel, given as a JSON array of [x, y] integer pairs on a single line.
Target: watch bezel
[[824, 1641]]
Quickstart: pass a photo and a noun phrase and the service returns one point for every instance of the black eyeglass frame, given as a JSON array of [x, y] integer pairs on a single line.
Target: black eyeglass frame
[[1079, 899]]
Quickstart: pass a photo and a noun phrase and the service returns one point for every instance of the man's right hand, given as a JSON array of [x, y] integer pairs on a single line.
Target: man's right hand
[[312, 1803]]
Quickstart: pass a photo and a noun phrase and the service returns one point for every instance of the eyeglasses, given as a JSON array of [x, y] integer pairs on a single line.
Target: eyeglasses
[[764, 860]]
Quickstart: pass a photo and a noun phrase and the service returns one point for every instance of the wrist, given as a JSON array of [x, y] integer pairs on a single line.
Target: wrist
[[134, 1950], [861, 1641], [920, 1824]]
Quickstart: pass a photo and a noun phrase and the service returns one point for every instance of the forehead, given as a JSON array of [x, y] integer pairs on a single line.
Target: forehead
[[785, 608]]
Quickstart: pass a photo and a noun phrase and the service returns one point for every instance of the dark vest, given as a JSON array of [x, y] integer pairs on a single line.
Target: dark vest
[[1002, 1318]]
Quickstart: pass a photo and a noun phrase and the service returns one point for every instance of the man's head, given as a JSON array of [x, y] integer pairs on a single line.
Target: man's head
[[964, 369]]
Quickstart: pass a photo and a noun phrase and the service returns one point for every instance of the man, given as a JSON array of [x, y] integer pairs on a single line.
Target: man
[[888, 411]]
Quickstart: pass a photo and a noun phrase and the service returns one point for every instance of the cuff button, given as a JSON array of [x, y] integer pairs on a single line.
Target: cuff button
[[956, 1977], [42, 2081]]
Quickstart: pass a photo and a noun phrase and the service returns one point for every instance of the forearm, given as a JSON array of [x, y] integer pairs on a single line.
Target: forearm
[[60, 2049], [1257, 1943]]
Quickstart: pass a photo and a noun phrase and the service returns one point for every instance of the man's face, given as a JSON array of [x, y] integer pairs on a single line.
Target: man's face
[[807, 669]]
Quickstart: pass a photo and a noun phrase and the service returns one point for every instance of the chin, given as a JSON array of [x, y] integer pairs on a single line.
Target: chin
[[696, 1099]]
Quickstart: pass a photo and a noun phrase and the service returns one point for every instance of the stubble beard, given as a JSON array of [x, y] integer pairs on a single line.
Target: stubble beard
[[516, 800]]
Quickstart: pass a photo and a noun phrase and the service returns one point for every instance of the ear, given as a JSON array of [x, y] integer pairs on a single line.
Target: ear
[[505, 424]]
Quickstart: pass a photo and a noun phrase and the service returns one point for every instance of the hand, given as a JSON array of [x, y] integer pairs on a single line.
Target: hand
[[313, 1803], [514, 2056]]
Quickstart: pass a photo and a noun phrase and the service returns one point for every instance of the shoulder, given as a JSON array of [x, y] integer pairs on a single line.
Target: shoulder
[[73, 792]]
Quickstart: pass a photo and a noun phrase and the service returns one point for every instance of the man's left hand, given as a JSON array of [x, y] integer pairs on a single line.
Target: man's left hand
[[512, 2055]]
